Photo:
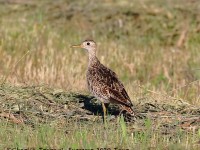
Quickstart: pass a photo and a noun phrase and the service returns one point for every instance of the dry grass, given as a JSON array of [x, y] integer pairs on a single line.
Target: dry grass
[[155, 46], [152, 45], [138, 42]]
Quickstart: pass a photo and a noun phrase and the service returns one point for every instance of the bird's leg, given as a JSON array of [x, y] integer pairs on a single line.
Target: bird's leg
[[104, 106], [104, 111]]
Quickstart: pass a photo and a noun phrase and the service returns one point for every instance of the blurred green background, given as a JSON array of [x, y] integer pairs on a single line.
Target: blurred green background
[[150, 43]]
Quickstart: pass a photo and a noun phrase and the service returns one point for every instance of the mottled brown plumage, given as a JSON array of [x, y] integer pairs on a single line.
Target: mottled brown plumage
[[103, 82]]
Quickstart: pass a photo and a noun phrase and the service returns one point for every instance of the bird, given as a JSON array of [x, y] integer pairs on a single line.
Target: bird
[[103, 83]]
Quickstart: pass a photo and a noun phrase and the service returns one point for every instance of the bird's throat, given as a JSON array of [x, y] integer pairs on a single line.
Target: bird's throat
[[93, 59]]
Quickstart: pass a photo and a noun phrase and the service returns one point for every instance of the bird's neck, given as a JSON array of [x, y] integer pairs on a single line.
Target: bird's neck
[[93, 60]]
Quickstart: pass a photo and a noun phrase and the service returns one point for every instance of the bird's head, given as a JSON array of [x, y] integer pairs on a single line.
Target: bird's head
[[89, 45]]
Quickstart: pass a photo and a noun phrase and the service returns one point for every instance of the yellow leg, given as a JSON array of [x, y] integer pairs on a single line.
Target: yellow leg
[[104, 111]]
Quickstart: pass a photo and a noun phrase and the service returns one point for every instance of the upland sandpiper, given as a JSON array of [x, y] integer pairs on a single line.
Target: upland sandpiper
[[103, 82]]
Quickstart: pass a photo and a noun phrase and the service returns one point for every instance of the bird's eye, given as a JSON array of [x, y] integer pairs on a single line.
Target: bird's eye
[[88, 43]]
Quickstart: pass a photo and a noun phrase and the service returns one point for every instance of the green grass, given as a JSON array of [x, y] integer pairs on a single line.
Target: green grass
[[152, 45], [91, 136]]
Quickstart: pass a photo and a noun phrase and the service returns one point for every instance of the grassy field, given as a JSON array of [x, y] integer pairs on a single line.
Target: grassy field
[[152, 45]]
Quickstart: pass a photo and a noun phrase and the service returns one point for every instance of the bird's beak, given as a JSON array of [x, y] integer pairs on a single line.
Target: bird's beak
[[77, 46]]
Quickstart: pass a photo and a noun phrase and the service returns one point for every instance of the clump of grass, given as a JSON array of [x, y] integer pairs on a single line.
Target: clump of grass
[[52, 118]]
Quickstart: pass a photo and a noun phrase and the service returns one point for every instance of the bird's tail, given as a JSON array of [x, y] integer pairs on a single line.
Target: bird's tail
[[128, 109]]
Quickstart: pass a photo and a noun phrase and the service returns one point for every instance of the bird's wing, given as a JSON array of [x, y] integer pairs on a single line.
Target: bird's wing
[[111, 87], [119, 97]]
